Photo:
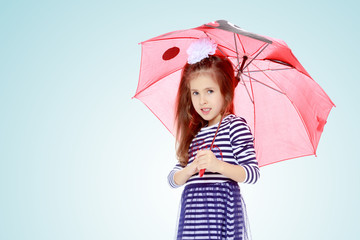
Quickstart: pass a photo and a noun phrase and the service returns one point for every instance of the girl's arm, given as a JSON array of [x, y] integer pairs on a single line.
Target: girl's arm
[[207, 159], [242, 143], [181, 176], [235, 172]]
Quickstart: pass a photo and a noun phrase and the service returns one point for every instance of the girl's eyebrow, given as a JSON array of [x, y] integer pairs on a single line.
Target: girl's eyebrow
[[208, 88]]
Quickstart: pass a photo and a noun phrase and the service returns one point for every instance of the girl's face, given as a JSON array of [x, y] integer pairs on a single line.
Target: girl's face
[[206, 98]]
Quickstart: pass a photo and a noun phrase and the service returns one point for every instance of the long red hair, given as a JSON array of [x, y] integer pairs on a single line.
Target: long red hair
[[188, 121]]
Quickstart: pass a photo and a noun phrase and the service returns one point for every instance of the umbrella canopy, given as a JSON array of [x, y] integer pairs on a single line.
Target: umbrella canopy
[[284, 107]]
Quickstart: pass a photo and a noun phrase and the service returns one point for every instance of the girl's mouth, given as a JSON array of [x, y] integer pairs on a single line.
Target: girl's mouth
[[205, 111]]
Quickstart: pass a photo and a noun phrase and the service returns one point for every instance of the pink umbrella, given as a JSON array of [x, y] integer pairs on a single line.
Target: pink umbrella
[[284, 107]]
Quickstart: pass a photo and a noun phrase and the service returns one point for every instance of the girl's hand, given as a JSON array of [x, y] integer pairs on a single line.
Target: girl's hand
[[206, 159], [192, 168]]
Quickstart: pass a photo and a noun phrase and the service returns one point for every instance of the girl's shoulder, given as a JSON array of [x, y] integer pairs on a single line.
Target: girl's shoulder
[[237, 124], [233, 119], [238, 128]]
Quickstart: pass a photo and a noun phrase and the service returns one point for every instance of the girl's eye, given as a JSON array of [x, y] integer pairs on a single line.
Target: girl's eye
[[210, 91], [195, 93]]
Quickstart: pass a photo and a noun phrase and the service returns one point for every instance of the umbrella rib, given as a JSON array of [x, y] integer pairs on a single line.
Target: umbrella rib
[[242, 45], [254, 107], [164, 39], [256, 55], [259, 49], [154, 82], [265, 70], [263, 84], [237, 53], [217, 46], [296, 109], [247, 90]]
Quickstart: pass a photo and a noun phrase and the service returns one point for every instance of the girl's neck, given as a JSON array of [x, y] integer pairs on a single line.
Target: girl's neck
[[218, 122]]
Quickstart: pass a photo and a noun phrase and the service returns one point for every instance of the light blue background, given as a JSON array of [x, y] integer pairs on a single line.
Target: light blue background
[[80, 160]]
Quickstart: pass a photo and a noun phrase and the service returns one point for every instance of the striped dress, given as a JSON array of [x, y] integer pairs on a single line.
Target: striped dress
[[212, 206]]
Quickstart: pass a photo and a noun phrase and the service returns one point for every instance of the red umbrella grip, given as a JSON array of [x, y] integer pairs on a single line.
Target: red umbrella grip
[[201, 173]]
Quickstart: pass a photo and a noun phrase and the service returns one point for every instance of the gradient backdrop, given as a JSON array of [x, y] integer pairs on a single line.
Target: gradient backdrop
[[80, 160]]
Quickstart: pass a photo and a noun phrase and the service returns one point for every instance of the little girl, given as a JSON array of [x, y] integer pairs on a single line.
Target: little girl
[[211, 137]]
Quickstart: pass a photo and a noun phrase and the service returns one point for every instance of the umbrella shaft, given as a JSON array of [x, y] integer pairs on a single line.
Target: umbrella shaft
[[243, 64]]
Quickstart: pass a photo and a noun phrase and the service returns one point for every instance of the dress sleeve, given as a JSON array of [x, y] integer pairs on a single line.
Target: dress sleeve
[[242, 142], [170, 177]]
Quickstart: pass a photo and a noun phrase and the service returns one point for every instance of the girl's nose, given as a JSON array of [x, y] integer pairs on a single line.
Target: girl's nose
[[203, 100]]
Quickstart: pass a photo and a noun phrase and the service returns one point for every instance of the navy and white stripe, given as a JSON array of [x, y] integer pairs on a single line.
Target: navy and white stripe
[[233, 144], [212, 211]]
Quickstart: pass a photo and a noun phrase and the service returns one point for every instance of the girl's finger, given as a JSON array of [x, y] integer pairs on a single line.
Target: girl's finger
[[200, 167], [202, 164], [202, 159], [202, 153], [199, 154]]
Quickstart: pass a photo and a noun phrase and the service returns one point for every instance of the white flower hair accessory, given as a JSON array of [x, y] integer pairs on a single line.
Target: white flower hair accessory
[[200, 49]]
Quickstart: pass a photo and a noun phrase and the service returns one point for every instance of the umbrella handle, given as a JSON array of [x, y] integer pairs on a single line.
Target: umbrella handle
[[201, 173]]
